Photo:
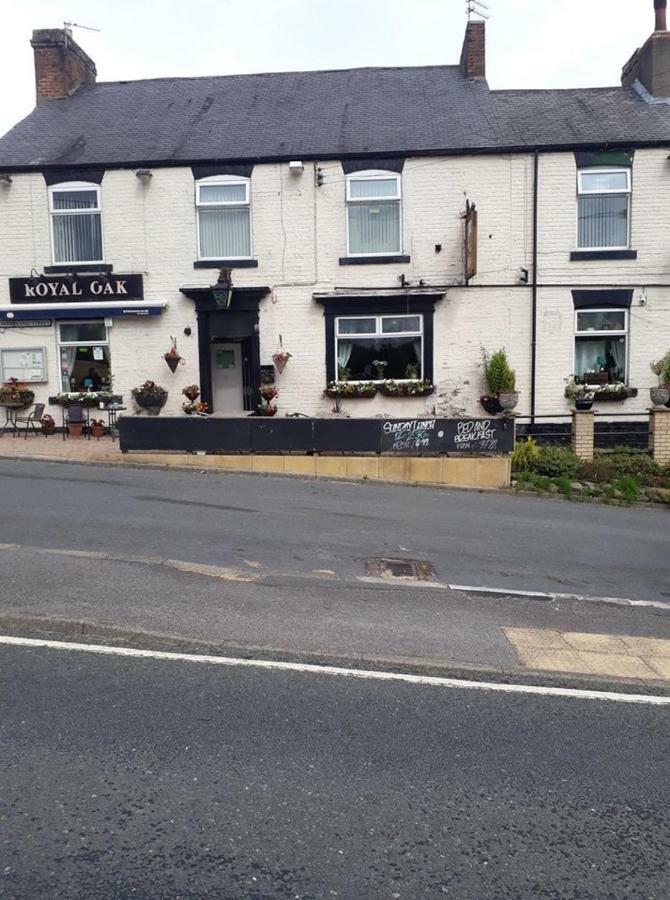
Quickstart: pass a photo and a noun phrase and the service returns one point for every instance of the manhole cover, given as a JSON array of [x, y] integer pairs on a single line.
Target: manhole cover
[[400, 568]]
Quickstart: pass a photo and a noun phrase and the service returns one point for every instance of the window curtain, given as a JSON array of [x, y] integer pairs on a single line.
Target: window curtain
[[603, 221], [615, 355], [225, 232], [77, 238], [374, 227], [600, 353], [68, 358], [344, 349]]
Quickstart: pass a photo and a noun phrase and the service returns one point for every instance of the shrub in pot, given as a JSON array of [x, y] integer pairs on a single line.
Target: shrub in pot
[[660, 396], [501, 378], [98, 428]]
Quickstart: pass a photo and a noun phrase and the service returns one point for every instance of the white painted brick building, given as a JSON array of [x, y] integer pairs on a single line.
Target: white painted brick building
[[299, 265]]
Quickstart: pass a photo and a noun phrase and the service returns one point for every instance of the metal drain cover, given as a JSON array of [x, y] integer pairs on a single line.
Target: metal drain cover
[[419, 569]]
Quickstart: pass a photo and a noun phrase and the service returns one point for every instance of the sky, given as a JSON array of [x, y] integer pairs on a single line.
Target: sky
[[530, 43]]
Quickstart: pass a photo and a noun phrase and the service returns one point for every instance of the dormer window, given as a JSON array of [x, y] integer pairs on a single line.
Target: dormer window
[[373, 214], [76, 222], [223, 217]]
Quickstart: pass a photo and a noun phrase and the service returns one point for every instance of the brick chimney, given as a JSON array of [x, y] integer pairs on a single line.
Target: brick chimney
[[473, 54], [650, 64], [61, 66]]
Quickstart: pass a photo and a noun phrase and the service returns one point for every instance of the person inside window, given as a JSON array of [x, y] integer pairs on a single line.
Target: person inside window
[[92, 381]]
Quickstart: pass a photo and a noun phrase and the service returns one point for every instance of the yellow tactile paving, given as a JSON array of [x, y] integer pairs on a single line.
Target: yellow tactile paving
[[618, 655]]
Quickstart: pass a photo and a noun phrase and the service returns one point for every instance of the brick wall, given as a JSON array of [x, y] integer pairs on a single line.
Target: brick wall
[[299, 235]]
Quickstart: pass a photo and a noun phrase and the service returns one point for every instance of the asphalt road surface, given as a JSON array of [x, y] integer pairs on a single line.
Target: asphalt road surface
[[293, 526], [162, 779]]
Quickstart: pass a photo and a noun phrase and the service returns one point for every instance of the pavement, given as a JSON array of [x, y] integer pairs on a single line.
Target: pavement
[[276, 567], [176, 780]]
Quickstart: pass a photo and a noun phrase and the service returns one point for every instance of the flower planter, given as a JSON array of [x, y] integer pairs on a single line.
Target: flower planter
[[25, 398], [491, 405], [614, 396], [596, 378], [75, 429], [346, 390], [153, 403], [98, 431], [407, 389], [267, 410], [582, 404], [508, 399], [659, 396], [173, 362], [280, 359], [48, 429]]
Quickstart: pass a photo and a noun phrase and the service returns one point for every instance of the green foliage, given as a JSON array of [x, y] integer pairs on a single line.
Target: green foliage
[[555, 462], [661, 367], [499, 376], [606, 467], [564, 485], [525, 455], [628, 486]]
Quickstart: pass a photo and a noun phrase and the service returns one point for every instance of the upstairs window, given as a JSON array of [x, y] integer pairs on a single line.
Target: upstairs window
[[603, 209], [224, 217], [600, 345], [374, 348], [76, 222], [373, 214]]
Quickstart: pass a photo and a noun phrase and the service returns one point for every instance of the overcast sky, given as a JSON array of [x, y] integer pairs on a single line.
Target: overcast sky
[[531, 43]]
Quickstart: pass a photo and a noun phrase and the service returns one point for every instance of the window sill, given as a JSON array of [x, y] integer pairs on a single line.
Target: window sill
[[225, 264], [576, 255], [74, 268], [372, 260]]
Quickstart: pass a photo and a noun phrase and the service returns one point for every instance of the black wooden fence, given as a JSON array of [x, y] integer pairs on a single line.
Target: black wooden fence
[[422, 437]]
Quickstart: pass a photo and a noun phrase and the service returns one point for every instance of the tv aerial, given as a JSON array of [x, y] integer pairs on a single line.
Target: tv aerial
[[77, 25], [477, 8]]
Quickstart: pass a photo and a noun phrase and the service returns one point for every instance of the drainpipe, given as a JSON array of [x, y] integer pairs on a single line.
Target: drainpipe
[[533, 344]]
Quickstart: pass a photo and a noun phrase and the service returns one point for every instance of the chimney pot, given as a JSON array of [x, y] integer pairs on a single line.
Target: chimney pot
[[61, 66], [660, 7]]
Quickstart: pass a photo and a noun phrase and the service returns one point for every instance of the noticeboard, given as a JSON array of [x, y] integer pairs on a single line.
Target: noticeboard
[[429, 436]]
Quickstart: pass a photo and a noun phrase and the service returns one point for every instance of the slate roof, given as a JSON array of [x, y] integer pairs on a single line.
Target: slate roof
[[320, 115]]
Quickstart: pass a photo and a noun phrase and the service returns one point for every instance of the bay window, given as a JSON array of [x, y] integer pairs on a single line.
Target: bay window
[[83, 351], [76, 222], [374, 221], [223, 217], [601, 337], [373, 348], [603, 219]]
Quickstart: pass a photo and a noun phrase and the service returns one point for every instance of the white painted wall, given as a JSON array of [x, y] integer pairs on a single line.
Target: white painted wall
[[298, 238]]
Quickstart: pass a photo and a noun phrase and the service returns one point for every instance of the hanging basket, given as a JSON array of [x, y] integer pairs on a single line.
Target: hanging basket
[[173, 362], [280, 358]]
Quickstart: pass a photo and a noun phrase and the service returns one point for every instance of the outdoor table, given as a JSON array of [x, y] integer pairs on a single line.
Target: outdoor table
[[112, 412], [11, 412]]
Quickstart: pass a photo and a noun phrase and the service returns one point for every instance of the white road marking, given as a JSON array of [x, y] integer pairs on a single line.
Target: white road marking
[[551, 595], [464, 684]]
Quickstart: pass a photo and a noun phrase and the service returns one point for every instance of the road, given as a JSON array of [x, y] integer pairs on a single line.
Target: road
[[165, 779], [293, 526]]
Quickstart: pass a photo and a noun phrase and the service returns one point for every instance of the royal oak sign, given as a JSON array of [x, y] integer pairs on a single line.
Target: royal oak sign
[[76, 288]]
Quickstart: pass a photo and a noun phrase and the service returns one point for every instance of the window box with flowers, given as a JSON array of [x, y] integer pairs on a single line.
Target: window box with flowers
[[351, 390], [614, 392], [411, 388]]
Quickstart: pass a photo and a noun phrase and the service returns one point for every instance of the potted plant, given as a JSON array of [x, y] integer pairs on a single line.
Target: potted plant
[[193, 408], [268, 393], [380, 366], [579, 394], [192, 392], [48, 424], [150, 396], [280, 358], [501, 379], [14, 393], [660, 396], [75, 429], [98, 428], [412, 371], [172, 357]]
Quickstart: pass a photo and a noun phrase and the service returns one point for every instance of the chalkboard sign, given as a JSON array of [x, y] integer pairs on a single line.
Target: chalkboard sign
[[404, 436]]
